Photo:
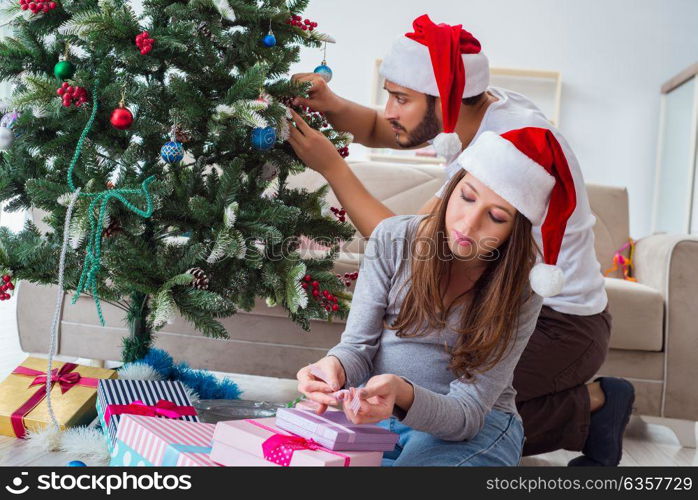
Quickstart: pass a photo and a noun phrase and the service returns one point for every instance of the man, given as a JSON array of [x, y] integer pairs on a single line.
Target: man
[[437, 77]]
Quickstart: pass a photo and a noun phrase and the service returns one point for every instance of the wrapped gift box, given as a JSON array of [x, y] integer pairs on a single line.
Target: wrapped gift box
[[235, 440], [335, 431], [152, 398], [148, 441], [23, 403]]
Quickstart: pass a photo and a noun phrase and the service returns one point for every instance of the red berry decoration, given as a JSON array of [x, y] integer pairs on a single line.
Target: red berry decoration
[[348, 278], [299, 22], [325, 298], [343, 152], [37, 6], [144, 42], [339, 213], [7, 285], [121, 118], [72, 95]]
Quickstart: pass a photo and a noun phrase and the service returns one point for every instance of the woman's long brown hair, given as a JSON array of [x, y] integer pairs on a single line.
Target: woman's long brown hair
[[490, 320]]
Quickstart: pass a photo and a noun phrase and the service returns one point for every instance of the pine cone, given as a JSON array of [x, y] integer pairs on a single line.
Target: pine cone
[[203, 28], [200, 279], [181, 135]]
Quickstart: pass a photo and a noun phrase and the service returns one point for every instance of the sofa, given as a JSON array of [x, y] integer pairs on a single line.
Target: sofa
[[654, 340]]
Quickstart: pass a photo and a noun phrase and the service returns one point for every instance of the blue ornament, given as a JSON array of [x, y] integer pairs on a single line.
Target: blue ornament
[[263, 139], [324, 71], [172, 152], [77, 463], [269, 40]]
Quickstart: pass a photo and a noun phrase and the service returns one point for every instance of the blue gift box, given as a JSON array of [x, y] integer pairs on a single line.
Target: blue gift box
[[126, 392]]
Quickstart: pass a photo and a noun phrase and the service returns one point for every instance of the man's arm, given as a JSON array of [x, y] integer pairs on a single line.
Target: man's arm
[[367, 125]]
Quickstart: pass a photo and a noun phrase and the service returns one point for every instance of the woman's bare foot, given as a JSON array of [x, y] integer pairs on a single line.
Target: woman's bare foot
[[596, 396]]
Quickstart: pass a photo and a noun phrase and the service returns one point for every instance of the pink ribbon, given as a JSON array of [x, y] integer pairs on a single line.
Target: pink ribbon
[[279, 448], [66, 378], [162, 408]]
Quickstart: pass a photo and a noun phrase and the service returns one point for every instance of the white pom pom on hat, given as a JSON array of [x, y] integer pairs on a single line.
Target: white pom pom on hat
[[528, 168], [546, 280], [439, 60]]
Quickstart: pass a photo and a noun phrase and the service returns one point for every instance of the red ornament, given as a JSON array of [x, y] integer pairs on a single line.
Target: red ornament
[[121, 118], [144, 42]]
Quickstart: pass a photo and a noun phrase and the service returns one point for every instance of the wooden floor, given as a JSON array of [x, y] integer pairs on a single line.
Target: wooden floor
[[644, 444]]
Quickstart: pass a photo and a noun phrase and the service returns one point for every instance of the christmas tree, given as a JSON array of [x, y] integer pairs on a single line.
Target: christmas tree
[[160, 136]]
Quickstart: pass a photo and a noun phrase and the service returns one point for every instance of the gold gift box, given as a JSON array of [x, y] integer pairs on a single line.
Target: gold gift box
[[74, 407]]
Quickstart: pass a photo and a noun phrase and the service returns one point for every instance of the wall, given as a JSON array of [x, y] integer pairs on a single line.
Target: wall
[[613, 55]]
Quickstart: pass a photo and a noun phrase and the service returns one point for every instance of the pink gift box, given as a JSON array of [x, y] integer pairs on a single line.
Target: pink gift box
[[168, 442], [334, 431], [234, 441]]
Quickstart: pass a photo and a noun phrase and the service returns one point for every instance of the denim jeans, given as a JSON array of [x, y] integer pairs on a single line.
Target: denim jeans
[[499, 443]]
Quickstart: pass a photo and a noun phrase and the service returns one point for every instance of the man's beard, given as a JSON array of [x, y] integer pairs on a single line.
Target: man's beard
[[426, 130]]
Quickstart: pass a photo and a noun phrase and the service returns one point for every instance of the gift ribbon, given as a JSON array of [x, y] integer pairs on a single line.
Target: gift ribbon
[[279, 448], [162, 408], [310, 416], [173, 451], [66, 378], [100, 200]]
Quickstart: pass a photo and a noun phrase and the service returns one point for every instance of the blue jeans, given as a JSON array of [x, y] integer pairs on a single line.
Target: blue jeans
[[499, 443]]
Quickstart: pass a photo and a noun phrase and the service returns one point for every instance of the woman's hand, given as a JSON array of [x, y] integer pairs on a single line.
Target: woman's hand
[[378, 399], [313, 148], [318, 390]]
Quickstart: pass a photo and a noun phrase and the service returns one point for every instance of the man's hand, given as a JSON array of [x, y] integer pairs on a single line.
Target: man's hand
[[321, 98], [320, 390], [378, 399], [313, 148]]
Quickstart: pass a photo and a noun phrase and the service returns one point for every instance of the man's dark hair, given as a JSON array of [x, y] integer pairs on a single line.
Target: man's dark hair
[[473, 100], [467, 101]]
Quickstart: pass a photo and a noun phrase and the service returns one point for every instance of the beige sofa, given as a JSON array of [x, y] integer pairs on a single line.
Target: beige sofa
[[654, 342]]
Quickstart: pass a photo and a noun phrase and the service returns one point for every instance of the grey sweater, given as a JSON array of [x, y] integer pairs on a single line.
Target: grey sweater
[[445, 406]]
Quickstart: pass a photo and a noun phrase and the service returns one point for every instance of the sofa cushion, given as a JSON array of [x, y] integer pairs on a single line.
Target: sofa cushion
[[638, 315], [404, 189]]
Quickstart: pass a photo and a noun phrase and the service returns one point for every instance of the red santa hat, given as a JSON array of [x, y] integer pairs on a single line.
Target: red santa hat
[[440, 60], [528, 168]]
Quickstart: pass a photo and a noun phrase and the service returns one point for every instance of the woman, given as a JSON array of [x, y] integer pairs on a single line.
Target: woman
[[443, 308]]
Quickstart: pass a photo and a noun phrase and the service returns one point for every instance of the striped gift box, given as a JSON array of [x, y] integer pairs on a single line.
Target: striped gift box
[[151, 441], [125, 392]]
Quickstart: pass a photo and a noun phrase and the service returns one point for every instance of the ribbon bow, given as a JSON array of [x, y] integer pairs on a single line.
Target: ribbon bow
[[66, 378], [279, 448], [162, 408]]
